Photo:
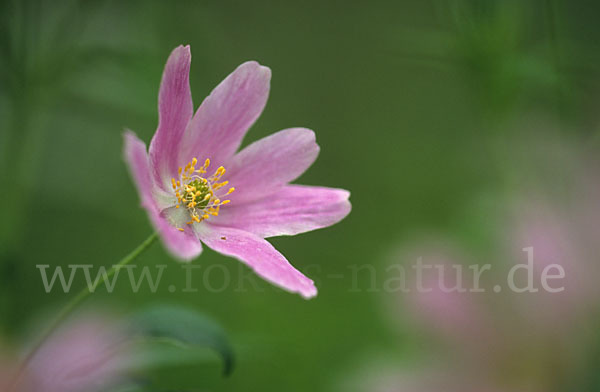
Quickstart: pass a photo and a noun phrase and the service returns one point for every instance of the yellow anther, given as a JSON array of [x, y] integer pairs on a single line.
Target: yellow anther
[[225, 202], [180, 229], [197, 192], [220, 185]]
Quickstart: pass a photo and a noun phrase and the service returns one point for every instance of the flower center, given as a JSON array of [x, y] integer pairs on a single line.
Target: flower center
[[199, 193]]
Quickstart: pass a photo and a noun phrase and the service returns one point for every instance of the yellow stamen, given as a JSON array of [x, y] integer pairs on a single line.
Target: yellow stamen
[[220, 185], [198, 194]]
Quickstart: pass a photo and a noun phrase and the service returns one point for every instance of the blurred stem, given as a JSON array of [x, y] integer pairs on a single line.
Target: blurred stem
[[75, 302]]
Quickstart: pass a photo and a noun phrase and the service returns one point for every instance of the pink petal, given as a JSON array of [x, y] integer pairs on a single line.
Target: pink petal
[[219, 125], [175, 110], [270, 163], [185, 245], [259, 255], [454, 315], [85, 355], [554, 237], [292, 210]]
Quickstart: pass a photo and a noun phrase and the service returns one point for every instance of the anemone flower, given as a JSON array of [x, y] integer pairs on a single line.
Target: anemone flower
[[247, 198], [85, 355]]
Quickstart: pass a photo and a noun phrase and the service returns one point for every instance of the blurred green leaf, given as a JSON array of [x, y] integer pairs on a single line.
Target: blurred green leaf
[[168, 327]]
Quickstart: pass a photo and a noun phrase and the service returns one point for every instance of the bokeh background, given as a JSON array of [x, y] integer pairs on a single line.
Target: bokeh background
[[439, 116]]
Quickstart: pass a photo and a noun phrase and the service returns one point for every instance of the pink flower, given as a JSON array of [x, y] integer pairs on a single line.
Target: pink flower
[[86, 355], [188, 201], [83, 356], [555, 239], [456, 316]]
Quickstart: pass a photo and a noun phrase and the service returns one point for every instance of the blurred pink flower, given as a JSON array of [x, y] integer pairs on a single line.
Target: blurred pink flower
[[555, 239], [503, 340], [85, 355], [187, 204], [457, 317]]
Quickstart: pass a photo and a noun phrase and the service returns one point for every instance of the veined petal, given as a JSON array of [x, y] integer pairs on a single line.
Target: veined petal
[[291, 210], [270, 163], [184, 245], [219, 125], [259, 255], [175, 110]]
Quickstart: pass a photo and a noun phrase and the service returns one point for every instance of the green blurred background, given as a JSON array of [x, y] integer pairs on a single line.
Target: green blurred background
[[413, 102]]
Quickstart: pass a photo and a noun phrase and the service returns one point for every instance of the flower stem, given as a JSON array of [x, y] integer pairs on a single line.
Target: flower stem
[[72, 305]]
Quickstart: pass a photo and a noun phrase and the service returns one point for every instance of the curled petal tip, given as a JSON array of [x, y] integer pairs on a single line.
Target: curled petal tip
[[255, 67], [309, 293], [183, 49]]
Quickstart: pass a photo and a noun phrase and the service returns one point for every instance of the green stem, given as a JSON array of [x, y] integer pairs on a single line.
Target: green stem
[[72, 305]]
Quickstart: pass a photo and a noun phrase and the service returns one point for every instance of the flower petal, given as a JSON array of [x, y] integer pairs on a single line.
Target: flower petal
[[259, 255], [184, 245], [86, 354], [270, 163], [219, 125], [292, 210], [175, 110]]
